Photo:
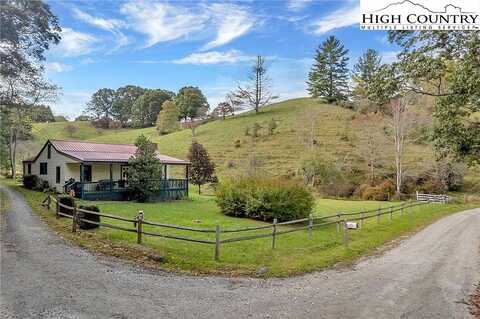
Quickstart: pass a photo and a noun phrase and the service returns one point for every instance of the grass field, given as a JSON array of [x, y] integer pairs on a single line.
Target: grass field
[[280, 154], [295, 253]]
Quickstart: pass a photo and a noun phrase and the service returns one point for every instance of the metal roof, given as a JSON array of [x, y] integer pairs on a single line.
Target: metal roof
[[101, 152]]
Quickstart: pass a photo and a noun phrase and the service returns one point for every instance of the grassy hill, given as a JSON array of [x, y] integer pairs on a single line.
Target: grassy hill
[[279, 154]]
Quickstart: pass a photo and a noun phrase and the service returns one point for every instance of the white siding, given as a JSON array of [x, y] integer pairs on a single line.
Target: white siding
[[55, 160]]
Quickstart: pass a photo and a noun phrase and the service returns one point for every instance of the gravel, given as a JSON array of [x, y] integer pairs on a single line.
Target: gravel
[[429, 275]]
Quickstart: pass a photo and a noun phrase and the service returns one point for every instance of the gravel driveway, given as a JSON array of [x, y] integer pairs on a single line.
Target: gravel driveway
[[427, 276]]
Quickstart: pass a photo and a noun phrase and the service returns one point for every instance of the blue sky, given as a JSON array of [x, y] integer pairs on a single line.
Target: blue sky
[[202, 43]]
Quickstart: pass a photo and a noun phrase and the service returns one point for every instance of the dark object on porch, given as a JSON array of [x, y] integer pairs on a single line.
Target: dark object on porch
[[31, 181], [89, 216], [67, 201]]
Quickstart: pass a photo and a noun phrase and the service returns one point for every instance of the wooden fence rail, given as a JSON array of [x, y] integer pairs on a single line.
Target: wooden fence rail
[[340, 219]]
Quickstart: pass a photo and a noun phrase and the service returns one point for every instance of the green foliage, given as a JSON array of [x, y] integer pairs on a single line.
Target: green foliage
[[146, 108], [191, 102], [264, 199], [223, 110], [60, 118], [328, 77], [101, 103], [82, 118], [202, 169], [126, 96], [31, 181], [67, 201], [89, 216], [385, 84], [167, 120], [145, 170], [41, 113]]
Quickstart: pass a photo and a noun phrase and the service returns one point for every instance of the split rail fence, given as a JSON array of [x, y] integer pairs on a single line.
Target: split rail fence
[[343, 222]]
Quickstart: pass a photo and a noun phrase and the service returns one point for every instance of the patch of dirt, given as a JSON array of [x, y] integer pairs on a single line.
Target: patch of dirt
[[475, 302]]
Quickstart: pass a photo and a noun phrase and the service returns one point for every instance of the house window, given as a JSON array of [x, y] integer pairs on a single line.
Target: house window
[[49, 151], [57, 175], [29, 169], [43, 169]]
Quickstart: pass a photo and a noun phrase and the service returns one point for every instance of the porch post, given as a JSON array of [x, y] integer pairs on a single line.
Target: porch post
[[165, 172], [111, 177], [81, 180], [186, 176]]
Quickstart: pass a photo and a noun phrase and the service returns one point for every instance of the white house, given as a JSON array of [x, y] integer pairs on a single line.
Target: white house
[[97, 170]]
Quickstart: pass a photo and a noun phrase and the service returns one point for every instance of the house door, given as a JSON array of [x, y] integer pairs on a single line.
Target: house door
[[87, 173], [57, 175], [124, 172]]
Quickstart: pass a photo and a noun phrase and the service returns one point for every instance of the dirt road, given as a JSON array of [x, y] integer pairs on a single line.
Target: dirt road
[[428, 275]]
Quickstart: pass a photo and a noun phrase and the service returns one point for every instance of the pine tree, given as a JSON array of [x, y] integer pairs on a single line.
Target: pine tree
[[328, 77], [367, 66], [167, 120], [202, 169], [145, 170]]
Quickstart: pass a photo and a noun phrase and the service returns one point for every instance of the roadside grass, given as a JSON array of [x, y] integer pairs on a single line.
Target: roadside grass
[[4, 202], [295, 253]]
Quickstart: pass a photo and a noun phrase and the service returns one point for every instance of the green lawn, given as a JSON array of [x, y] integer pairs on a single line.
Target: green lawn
[[295, 252]]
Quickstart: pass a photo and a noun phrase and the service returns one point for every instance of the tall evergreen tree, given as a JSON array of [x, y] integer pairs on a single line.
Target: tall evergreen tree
[[364, 70], [203, 169], [328, 77]]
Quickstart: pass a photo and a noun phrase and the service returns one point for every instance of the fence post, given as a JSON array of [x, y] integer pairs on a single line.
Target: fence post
[[391, 213], [338, 222], [345, 233], [310, 226], [362, 215], [378, 215], [49, 201], [139, 226], [217, 242], [74, 218], [274, 232], [57, 207]]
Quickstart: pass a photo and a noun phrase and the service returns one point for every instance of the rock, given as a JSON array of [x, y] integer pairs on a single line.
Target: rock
[[159, 259], [262, 271]]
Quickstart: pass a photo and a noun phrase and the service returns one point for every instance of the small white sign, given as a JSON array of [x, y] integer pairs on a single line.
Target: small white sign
[[352, 225], [420, 15]]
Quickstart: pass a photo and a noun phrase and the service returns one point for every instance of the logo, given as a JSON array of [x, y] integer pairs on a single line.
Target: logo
[[420, 15]]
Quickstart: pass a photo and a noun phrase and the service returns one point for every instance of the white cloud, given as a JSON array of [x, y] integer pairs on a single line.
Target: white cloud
[[231, 21], [162, 22], [75, 43], [341, 18], [110, 25], [298, 5], [57, 67], [389, 56], [214, 57]]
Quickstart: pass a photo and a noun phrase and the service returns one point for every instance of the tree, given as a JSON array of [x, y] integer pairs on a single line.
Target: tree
[[146, 108], [222, 110], [364, 70], [71, 129], [371, 142], [42, 113], [234, 102], [145, 170], [82, 118], [60, 118], [126, 96], [202, 169], [28, 28], [446, 66], [256, 93], [167, 120], [101, 103], [328, 77], [191, 103]]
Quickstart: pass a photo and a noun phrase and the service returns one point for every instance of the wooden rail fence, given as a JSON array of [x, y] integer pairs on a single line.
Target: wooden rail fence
[[432, 198], [343, 222]]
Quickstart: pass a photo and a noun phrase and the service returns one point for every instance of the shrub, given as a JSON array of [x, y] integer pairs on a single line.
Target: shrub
[[388, 187], [265, 199], [103, 122], [31, 181], [42, 186], [67, 201], [89, 216], [237, 144], [374, 193]]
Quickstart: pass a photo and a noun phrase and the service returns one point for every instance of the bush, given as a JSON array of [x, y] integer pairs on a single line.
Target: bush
[[264, 199], [67, 201], [31, 181], [103, 122], [374, 193], [42, 186], [89, 216]]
